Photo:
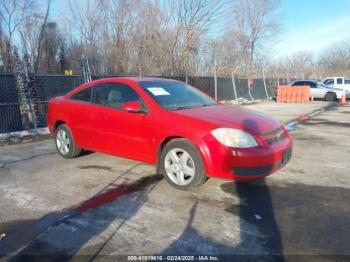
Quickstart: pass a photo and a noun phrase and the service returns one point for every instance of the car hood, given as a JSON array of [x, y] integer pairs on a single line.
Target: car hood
[[233, 117]]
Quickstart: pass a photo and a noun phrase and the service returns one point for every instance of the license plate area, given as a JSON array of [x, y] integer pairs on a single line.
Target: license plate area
[[287, 154]]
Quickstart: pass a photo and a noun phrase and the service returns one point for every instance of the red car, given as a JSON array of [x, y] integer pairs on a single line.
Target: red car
[[185, 133]]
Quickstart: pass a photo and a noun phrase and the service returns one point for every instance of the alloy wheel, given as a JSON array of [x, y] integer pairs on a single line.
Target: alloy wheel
[[179, 166], [63, 142]]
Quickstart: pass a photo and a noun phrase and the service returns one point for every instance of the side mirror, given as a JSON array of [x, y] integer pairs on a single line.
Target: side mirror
[[133, 107]]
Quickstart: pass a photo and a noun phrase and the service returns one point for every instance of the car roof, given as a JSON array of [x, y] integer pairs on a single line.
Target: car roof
[[314, 81], [121, 79], [141, 79]]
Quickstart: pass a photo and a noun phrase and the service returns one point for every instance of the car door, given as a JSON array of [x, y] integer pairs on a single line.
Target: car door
[[117, 131], [316, 91], [80, 110]]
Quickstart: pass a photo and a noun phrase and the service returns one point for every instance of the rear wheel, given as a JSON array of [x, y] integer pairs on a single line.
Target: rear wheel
[[330, 97], [65, 143], [182, 165]]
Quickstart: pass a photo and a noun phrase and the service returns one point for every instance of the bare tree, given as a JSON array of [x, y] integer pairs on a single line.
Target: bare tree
[[140, 37], [335, 60], [51, 49], [12, 15], [255, 24], [86, 31], [190, 20]]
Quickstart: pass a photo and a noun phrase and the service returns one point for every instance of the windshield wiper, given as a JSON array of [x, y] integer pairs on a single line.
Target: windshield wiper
[[204, 105], [188, 107], [181, 108]]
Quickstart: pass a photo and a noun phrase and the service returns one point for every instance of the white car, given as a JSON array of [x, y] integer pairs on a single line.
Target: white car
[[318, 90], [337, 82]]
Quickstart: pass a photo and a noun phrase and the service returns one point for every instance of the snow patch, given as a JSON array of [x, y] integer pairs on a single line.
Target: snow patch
[[21, 134]]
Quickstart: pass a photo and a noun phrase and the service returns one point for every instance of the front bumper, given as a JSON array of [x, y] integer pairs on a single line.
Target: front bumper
[[245, 163], [261, 170]]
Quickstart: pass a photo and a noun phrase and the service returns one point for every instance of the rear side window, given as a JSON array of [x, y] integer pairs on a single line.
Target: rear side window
[[311, 84], [298, 83], [83, 95], [114, 94], [339, 81]]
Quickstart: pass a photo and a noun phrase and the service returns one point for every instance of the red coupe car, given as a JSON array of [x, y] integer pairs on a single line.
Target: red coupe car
[[188, 135]]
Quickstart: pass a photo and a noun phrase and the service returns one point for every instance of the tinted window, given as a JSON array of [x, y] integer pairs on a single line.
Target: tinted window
[[114, 94], [173, 95], [339, 81], [301, 83], [329, 82], [347, 82], [83, 95], [311, 84]]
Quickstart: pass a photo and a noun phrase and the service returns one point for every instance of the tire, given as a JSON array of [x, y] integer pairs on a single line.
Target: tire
[[182, 165], [330, 97], [65, 143]]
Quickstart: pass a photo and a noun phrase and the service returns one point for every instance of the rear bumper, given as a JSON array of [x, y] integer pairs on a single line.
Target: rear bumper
[[246, 163]]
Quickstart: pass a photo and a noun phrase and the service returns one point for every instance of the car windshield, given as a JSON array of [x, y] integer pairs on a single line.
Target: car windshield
[[172, 95]]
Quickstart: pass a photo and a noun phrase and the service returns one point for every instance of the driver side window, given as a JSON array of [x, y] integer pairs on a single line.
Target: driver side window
[[113, 94], [329, 82]]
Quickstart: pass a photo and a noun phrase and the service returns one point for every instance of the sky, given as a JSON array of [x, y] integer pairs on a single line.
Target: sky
[[308, 25], [312, 25]]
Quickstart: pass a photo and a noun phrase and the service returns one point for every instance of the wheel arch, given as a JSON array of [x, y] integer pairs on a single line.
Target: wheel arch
[[168, 139], [57, 124], [164, 142]]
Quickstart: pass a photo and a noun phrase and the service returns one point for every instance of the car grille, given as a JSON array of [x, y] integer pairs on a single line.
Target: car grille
[[276, 139], [274, 136]]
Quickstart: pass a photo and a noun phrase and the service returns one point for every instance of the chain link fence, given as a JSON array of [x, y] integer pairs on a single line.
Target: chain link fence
[[44, 87], [10, 114]]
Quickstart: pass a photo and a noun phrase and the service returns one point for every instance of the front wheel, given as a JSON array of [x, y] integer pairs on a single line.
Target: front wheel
[[330, 97], [65, 143], [182, 165]]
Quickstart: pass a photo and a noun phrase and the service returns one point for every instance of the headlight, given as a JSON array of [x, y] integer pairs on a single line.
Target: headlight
[[234, 137]]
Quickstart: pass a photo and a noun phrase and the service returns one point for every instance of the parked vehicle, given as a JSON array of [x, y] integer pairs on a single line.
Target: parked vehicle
[[338, 82], [318, 90], [185, 133]]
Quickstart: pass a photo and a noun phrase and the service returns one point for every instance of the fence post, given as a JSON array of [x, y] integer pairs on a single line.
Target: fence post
[[234, 85], [22, 90], [186, 79], [267, 95], [215, 85], [248, 84]]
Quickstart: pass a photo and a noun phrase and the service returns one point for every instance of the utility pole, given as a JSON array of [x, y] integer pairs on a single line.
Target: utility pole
[[36, 65], [234, 85], [263, 72], [215, 82]]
